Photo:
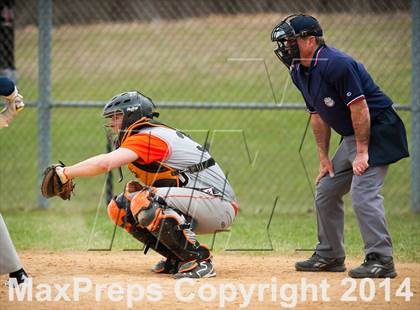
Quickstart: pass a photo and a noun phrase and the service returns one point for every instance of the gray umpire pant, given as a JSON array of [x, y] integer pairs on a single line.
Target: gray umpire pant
[[9, 260], [367, 204]]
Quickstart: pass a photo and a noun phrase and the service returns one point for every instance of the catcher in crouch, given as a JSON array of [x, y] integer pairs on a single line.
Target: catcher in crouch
[[185, 191]]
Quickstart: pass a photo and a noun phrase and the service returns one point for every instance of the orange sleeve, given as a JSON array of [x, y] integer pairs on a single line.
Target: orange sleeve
[[148, 147]]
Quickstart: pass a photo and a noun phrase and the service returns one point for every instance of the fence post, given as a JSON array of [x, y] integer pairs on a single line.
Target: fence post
[[44, 91], [415, 131]]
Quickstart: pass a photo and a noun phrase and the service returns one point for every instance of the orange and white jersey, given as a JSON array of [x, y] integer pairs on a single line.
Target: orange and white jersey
[[164, 155]]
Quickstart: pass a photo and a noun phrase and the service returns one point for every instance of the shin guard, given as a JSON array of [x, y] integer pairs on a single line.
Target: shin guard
[[120, 213], [168, 226]]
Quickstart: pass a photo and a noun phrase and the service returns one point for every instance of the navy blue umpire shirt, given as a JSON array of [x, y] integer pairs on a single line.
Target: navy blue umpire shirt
[[332, 83]]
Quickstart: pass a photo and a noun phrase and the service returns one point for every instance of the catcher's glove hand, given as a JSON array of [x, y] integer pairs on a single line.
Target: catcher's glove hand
[[55, 183], [133, 186]]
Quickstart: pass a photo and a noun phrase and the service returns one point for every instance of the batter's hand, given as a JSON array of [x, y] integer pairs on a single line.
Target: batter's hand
[[325, 166], [360, 163], [14, 104], [15, 101]]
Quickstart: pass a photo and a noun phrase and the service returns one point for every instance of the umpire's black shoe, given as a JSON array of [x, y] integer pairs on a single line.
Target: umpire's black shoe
[[318, 263], [375, 266]]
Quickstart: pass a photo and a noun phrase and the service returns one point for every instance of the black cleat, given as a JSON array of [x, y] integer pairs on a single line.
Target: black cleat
[[196, 270], [318, 263], [166, 266], [375, 266]]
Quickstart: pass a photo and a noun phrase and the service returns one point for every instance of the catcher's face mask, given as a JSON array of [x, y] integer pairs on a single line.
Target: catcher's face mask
[[132, 106], [286, 33], [114, 122]]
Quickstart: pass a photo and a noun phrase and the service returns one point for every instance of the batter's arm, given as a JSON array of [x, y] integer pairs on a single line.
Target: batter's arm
[[360, 118], [322, 133]]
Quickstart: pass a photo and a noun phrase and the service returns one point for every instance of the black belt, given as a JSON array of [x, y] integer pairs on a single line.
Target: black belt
[[197, 167]]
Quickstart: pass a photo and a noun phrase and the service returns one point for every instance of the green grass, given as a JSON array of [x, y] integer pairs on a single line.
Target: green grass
[[73, 229], [188, 60]]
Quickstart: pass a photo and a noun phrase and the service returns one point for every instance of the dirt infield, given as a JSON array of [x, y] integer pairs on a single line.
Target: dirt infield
[[117, 280]]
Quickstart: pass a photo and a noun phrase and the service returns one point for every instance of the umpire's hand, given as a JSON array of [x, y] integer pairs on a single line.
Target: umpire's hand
[[360, 163], [325, 166]]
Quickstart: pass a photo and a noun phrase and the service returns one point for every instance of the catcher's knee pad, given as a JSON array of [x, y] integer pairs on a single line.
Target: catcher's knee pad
[[168, 226], [146, 209], [119, 212], [140, 208]]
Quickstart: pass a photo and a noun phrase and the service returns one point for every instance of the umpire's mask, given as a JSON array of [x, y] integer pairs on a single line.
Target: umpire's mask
[[287, 32]]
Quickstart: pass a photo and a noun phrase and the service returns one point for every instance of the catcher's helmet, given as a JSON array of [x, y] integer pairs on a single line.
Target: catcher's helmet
[[133, 105], [289, 29]]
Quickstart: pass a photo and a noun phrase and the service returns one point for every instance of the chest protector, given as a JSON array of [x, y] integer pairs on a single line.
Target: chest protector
[[156, 173]]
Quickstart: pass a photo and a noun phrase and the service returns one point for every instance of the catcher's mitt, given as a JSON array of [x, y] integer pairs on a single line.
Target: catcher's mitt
[[52, 186]]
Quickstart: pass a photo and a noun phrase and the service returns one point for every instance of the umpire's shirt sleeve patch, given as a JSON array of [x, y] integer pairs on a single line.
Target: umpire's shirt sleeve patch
[[345, 77]]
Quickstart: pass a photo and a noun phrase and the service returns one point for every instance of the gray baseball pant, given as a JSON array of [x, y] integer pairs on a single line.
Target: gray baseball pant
[[366, 200], [9, 260], [210, 213]]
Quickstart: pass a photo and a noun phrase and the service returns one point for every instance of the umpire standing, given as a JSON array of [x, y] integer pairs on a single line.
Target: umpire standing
[[340, 94]]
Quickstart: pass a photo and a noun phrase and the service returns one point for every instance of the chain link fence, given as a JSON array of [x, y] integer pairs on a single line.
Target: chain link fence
[[210, 68]]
